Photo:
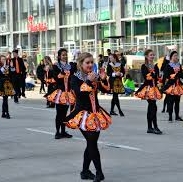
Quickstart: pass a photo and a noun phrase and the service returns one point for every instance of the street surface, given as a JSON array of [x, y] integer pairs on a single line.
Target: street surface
[[29, 152]]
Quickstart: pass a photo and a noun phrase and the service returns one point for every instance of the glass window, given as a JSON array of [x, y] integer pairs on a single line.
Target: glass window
[[3, 10], [51, 6], [3, 41], [34, 7], [15, 15], [51, 39], [140, 27], [103, 10], [160, 26], [127, 9], [176, 25], [66, 34], [128, 29], [88, 11], [88, 32], [66, 12], [76, 11], [23, 9]]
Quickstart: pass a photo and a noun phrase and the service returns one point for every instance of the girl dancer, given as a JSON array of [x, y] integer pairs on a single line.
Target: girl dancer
[[62, 96], [173, 87], [6, 87], [149, 90], [115, 71], [88, 116]]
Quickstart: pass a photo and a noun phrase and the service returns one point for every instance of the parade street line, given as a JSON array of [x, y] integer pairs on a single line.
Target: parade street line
[[113, 145]]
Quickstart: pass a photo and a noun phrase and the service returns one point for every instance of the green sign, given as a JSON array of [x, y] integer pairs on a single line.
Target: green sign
[[153, 9]]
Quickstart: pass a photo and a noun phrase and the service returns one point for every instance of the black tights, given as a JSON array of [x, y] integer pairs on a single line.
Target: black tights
[[152, 114], [42, 86], [115, 101], [60, 117], [91, 152], [173, 100], [5, 105], [165, 103]]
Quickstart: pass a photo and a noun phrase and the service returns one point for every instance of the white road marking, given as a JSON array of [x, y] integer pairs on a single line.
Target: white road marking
[[82, 139], [36, 108]]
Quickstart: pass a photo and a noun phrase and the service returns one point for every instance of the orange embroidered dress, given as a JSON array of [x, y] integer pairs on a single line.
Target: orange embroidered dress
[[88, 115], [173, 74], [62, 95], [149, 89]]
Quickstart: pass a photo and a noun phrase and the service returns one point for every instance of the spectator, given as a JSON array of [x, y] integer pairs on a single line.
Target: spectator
[[29, 83], [129, 85]]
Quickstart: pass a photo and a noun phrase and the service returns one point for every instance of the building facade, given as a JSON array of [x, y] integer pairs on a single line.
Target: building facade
[[87, 24]]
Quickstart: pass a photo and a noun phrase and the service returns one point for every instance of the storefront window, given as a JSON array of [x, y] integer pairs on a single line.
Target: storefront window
[[140, 27], [66, 12], [66, 34]]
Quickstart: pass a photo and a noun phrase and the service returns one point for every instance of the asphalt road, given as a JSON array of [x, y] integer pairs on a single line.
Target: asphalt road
[[29, 152]]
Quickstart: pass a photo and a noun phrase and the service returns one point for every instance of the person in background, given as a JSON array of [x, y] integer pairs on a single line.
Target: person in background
[[24, 74], [129, 85], [49, 80], [40, 75], [6, 87], [115, 71], [76, 53], [8, 58], [95, 68], [100, 61], [29, 83], [17, 70]]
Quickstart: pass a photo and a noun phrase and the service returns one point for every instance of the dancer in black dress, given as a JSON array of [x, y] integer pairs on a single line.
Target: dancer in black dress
[[173, 87], [149, 90], [88, 115]]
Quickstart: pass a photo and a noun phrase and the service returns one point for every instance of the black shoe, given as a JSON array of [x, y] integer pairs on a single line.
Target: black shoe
[[157, 131], [163, 111], [113, 113], [66, 135], [87, 175], [150, 130], [58, 136], [24, 96], [121, 113], [170, 119], [3, 115], [16, 101], [178, 119], [7, 116], [99, 177]]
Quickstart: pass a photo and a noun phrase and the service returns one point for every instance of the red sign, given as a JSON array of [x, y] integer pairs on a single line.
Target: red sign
[[33, 27]]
